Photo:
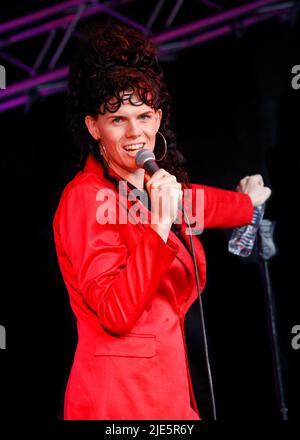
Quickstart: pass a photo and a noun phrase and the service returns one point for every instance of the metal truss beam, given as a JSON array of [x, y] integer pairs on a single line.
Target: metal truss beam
[[212, 20], [169, 41]]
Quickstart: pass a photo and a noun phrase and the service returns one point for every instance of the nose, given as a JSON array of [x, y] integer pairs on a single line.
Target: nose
[[133, 129]]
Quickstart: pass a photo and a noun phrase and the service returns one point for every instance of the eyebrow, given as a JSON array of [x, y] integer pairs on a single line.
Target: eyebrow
[[116, 115]]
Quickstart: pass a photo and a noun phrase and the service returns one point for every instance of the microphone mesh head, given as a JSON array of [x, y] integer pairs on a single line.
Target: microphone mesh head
[[143, 155]]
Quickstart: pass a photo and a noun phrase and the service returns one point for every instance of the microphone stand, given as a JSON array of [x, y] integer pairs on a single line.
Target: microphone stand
[[267, 250]]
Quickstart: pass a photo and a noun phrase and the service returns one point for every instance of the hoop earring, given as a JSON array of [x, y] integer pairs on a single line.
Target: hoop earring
[[103, 154], [165, 147]]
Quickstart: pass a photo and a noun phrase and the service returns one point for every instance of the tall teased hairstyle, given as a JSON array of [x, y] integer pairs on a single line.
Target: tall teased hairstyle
[[109, 60]]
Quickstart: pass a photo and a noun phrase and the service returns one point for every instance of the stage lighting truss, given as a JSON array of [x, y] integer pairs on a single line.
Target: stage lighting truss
[[34, 47]]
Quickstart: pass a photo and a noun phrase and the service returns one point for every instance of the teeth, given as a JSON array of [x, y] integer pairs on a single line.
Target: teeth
[[134, 147]]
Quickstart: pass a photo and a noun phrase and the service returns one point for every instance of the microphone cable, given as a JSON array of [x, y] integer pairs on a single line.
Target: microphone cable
[[146, 159], [202, 319]]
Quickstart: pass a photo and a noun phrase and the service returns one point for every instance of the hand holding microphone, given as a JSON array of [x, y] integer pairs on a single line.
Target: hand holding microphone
[[164, 190]]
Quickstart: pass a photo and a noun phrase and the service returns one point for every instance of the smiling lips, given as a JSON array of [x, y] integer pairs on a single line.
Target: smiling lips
[[134, 147]]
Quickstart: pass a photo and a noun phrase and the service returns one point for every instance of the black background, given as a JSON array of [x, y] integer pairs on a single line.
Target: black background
[[235, 114]]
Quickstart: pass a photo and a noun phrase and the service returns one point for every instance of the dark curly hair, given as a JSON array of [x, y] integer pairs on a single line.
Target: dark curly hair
[[109, 60]]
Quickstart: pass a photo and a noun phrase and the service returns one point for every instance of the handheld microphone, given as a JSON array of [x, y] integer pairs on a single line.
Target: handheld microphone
[[146, 159]]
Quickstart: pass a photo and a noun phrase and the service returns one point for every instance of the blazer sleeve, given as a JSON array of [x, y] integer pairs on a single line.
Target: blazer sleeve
[[222, 208], [116, 285]]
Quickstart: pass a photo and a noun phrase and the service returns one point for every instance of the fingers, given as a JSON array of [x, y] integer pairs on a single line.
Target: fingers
[[260, 196], [147, 177], [255, 179], [157, 175], [168, 197], [167, 188], [244, 179], [268, 192], [160, 177], [165, 181], [165, 194], [162, 180], [255, 188]]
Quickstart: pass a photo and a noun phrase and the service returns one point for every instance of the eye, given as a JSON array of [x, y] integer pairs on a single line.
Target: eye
[[117, 120], [145, 116]]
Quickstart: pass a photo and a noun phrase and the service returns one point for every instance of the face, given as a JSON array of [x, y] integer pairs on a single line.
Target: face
[[125, 132]]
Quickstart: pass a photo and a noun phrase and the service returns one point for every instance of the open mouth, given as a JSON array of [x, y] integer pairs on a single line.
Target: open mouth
[[134, 147]]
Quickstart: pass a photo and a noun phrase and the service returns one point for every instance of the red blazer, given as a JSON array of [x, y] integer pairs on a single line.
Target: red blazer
[[130, 292]]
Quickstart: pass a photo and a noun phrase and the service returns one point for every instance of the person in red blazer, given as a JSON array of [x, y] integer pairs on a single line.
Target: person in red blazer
[[131, 283]]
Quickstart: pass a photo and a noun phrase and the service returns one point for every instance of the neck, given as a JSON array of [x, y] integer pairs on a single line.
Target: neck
[[136, 178]]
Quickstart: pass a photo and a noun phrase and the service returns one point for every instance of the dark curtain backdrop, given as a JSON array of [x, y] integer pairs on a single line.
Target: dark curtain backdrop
[[235, 114]]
